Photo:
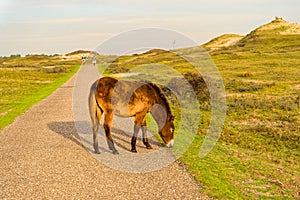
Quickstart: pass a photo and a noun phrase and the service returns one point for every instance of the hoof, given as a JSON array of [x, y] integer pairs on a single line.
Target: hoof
[[97, 152], [116, 152], [147, 144], [133, 150]]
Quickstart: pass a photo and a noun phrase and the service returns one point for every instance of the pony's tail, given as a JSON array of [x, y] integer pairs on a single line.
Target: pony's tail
[[95, 110]]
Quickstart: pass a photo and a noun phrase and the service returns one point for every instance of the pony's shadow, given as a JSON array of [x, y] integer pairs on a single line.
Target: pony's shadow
[[125, 137], [69, 130]]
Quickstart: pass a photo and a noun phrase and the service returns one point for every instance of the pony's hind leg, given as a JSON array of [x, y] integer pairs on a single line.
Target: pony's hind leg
[[95, 114], [107, 124], [96, 122]]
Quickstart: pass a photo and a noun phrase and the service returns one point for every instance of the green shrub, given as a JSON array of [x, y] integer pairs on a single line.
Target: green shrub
[[56, 69]]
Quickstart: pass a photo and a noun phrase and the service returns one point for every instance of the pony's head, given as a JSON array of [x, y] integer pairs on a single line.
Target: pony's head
[[167, 131], [162, 113]]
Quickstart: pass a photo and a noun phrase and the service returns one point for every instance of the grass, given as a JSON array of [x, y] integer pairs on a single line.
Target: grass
[[258, 153], [261, 136], [26, 80]]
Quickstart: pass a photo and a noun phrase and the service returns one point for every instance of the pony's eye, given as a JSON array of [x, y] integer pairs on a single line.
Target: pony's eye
[[172, 118]]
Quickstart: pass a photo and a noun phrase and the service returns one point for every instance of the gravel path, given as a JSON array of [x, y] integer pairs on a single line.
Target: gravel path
[[41, 158]]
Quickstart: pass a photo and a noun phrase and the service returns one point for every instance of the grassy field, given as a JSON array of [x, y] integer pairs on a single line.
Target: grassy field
[[258, 153], [26, 80]]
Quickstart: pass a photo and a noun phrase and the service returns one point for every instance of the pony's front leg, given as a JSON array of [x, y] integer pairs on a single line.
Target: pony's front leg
[[145, 138], [134, 138], [106, 126]]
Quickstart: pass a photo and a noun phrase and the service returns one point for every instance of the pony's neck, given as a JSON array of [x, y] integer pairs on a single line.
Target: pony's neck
[[160, 112]]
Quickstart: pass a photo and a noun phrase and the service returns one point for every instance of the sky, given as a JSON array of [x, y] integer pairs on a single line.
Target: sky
[[62, 26]]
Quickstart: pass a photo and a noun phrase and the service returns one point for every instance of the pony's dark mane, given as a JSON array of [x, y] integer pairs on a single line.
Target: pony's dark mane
[[161, 95]]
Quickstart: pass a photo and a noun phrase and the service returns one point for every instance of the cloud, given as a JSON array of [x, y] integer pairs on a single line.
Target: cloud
[[82, 20], [88, 21], [47, 21]]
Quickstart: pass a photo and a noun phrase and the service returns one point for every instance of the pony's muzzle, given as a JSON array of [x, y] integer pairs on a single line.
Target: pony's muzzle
[[170, 144]]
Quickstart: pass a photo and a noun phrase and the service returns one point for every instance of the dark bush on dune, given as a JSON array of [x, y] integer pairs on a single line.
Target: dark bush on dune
[[197, 83], [57, 69]]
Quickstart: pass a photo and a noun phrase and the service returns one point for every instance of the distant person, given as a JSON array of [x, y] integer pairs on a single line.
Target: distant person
[[94, 61], [83, 59]]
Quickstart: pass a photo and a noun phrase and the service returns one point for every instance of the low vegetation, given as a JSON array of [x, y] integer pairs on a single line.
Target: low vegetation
[[26, 80], [258, 153]]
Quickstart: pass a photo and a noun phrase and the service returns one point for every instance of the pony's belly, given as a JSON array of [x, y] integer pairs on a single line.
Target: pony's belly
[[121, 110], [128, 110]]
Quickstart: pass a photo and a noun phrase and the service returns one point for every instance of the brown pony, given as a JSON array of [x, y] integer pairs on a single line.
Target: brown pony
[[110, 96]]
